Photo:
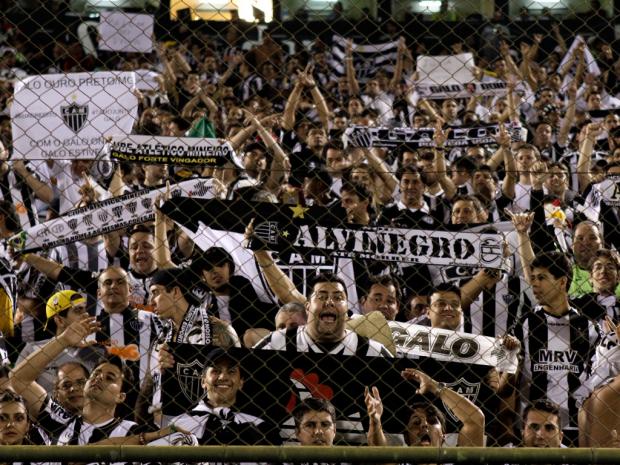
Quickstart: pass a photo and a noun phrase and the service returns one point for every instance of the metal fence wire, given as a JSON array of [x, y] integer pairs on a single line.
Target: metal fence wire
[[310, 222]]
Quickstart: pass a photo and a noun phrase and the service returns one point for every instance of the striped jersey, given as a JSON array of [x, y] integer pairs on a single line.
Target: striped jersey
[[557, 355], [298, 340]]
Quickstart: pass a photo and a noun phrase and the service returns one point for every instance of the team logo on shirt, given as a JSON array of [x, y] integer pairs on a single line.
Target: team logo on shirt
[[189, 376], [74, 116]]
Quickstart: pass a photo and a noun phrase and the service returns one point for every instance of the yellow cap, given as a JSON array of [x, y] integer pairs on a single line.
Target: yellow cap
[[61, 301]]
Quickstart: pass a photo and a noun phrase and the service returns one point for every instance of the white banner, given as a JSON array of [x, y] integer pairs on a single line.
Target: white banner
[[415, 341], [66, 116], [104, 217], [147, 80], [125, 32], [451, 76]]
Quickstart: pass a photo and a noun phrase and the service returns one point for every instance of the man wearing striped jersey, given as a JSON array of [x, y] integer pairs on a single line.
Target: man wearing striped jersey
[[557, 340], [104, 392], [325, 332]]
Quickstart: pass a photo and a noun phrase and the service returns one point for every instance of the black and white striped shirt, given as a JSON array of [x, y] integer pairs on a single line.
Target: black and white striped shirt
[[557, 356], [298, 340]]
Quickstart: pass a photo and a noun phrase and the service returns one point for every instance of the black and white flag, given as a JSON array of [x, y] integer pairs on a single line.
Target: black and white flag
[[284, 228], [104, 217], [366, 136], [173, 150], [367, 59]]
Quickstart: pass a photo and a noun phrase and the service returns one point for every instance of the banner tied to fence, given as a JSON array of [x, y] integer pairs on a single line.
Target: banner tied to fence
[[173, 150], [66, 116]]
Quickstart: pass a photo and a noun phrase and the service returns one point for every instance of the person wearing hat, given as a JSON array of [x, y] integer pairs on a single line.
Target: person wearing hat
[[218, 420], [62, 309]]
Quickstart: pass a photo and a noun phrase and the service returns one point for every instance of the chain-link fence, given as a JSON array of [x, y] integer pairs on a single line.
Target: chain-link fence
[[317, 223]]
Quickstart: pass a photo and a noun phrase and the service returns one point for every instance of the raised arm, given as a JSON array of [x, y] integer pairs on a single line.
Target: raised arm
[[354, 87], [24, 375], [440, 136], [380, 167], [586, 148], [278, 281], [522, 223], [471, 433], [569, 117]]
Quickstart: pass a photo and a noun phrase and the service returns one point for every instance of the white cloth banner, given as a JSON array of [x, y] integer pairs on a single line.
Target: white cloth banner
[[67, 116], [452, 76], [147, 80], [125, 32], [414, 341], [104, 217]]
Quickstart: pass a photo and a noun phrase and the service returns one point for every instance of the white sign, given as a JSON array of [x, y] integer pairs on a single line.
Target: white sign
[[125, 32], [67, 116], [415, 341]]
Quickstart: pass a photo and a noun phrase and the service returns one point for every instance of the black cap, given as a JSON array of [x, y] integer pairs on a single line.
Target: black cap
[[217, 354]]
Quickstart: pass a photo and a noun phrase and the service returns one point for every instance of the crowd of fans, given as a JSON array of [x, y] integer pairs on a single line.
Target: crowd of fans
[[88, 326]]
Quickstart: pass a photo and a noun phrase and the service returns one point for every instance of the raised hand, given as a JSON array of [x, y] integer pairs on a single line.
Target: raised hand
[[75, 333], [427, 384], [374, 406], [521, 221]]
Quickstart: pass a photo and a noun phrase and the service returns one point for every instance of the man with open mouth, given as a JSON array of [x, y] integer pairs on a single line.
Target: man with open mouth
[[325, 332], [426, 426]]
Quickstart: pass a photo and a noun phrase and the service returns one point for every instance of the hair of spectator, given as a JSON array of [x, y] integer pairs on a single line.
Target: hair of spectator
[[325, 277], [408, 169], [313, 404], [609, 254], [357, 189], [469, 198], [182, 123], [531, 147], [429, 410], [11, 220], [447, 287], [331, 145], [213, 256], [382, 280], [74, 365], [292, 308], [464, 164], [487, 169], [140, 228], [556, 263], [544, 405]]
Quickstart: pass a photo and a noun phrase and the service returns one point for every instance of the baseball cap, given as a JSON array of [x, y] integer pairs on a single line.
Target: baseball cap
[[218, 354], [62, 301]]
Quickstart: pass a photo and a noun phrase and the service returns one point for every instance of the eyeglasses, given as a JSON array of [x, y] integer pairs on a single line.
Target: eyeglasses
[[443, 304]]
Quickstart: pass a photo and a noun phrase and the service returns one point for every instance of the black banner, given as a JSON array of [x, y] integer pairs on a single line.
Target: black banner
[[286, 228], [276, 381]]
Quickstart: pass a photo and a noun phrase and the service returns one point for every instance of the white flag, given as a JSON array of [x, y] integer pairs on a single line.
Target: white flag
[[125, 32]]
